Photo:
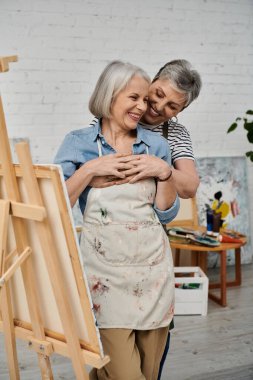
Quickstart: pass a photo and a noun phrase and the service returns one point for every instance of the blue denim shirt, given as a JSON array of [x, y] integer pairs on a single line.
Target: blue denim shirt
[[80, 146]]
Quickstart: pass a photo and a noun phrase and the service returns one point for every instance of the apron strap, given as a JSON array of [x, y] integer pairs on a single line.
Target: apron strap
[[99, 147], [165, 130]]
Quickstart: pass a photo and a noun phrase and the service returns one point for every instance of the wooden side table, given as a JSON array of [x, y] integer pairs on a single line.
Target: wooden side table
[[199, 258]]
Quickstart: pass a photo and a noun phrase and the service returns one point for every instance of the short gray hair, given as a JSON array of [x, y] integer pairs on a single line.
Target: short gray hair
[[114, 78], [183, 77]]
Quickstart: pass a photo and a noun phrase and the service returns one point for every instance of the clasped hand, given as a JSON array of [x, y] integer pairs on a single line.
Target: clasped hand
[[117, 169]]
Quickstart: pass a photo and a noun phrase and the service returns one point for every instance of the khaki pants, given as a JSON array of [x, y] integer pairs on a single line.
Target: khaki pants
[[135, 354]]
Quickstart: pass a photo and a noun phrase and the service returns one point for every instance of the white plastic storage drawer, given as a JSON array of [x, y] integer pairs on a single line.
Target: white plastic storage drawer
[[191, 291]]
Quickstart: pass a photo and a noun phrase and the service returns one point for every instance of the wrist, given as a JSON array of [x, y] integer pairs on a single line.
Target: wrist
[[88, 169], [164, 178]]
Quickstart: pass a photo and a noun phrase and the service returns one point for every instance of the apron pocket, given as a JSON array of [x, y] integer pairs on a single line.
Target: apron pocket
[[135, 244]]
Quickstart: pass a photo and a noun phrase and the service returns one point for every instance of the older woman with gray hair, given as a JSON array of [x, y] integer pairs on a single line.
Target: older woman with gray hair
[[176, 85], [126, 253]]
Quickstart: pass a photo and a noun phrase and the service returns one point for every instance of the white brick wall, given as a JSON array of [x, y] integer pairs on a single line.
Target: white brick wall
[[64, 44]]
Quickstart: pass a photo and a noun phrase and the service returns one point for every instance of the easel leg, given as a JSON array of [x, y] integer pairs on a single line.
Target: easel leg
[[45, 367], [6, 307], [9, 335], [4, 216]]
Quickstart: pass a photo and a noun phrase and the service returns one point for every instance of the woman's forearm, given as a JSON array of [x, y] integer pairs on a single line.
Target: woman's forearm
[[78, 182], [165, 194], [186, 178], [186, 184]]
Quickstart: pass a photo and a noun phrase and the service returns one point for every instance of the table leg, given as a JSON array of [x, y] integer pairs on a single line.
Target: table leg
[[177, 257], [238, 273], [222, 300], [194, 258], [203, 261], [238, 276], [223, 277]]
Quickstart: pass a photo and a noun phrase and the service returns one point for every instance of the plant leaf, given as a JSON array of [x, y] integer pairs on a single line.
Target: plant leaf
[[249, 112], [248, 125], [238, 118], [250, 135], [232, 127], [249, 155]]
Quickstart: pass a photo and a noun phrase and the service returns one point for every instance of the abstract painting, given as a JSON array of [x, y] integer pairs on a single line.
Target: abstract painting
[[223, 186]]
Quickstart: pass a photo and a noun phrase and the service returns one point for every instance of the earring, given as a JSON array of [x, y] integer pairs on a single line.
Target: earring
[[173, 120]]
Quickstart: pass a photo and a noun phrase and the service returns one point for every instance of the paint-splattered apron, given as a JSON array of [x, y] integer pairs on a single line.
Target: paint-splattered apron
[[127, 257]]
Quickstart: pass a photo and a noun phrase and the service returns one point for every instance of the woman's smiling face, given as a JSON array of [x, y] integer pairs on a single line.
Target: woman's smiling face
[[130, 104], [164, 102]]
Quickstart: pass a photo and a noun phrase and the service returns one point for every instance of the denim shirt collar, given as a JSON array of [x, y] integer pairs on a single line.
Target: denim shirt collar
[[141, 136]]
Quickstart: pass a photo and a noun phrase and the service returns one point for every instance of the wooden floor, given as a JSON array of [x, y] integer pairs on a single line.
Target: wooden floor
[[216, 347], [219, 346]]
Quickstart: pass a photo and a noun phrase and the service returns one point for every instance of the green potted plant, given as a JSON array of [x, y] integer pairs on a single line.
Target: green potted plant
[[248, 125]]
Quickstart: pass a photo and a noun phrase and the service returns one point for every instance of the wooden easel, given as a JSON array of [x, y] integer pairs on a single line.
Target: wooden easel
[[21, 258]]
